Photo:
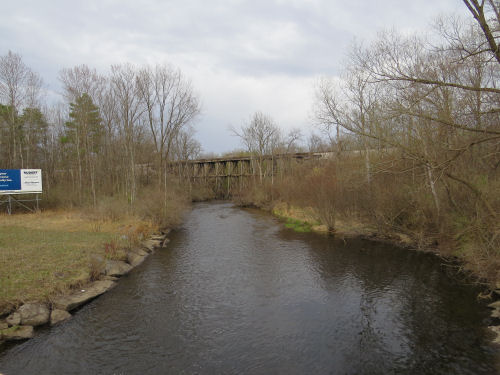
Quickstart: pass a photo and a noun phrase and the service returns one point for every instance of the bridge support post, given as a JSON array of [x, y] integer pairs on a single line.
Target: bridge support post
[[241, 173]]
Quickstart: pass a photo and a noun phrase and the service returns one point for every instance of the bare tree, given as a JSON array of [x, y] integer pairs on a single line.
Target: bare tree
[[292, 140], [13, 77], [315, 143], [487, 15], [185, 146], [81, 80], [129, 111], [436, 106], [170, 105], [260, 137], [19, 88]]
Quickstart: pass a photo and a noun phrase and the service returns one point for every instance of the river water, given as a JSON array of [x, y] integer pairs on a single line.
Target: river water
[[236, 293]]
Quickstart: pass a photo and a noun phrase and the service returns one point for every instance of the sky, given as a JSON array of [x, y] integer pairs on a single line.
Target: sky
[[241, 56]]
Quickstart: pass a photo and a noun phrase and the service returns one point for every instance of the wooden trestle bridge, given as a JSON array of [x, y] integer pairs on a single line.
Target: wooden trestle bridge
[[232, 174]]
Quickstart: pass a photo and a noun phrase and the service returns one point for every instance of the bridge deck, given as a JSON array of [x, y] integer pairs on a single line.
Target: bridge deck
[[297, 155]]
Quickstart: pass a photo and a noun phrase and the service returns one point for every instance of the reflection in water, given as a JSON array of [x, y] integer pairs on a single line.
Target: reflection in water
[[237, 293]]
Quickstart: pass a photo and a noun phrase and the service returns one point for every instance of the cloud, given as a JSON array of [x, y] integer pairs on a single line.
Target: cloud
[[242, 56]]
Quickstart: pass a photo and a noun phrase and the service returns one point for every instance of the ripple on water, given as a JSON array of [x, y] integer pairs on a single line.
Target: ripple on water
[[235, 292]]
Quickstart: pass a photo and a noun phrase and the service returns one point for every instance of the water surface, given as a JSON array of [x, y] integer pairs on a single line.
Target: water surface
[[236, 293]]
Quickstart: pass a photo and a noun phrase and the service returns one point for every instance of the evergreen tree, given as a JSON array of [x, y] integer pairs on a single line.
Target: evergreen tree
[[84, 132], [33, 129]]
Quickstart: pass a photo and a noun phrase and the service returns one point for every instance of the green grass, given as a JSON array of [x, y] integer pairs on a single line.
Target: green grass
[[10, 330], [35, 263], [42, 255], [298, 225]]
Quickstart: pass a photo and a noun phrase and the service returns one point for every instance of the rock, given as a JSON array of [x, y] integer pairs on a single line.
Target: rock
[[97, 265], [157, 237], [112, 278], [494, 305], [150, 245], [14, 319], [496, 330], [5, 310], [93, 290], [135, 259], [17, 333], [4, 325], [139, 252], [34, 314], [57, 316], [495, 313], [117, 268]]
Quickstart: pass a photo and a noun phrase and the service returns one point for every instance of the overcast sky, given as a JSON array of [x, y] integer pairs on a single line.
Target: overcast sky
[[242, 56]]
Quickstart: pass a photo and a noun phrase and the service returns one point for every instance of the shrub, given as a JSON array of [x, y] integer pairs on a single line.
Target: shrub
[[97, 266]]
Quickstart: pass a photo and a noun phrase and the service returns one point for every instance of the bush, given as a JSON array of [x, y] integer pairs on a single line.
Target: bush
[[164, 208]]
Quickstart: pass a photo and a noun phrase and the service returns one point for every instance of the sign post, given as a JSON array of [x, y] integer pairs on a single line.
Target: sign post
[[20, 181]]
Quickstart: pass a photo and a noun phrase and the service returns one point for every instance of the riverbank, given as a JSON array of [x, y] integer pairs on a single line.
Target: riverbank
[[52, 262], [344, 227], [232, 277], [306, 219], [44, 254]]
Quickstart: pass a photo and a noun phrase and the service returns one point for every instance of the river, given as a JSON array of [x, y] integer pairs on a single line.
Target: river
[[237, 293]]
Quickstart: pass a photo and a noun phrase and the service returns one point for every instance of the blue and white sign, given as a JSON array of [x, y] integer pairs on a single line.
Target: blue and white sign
[[20, 181]]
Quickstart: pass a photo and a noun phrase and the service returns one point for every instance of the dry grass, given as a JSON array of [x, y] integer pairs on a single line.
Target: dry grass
[[165, 209], [46, 253], [348, 226], [396, 203]]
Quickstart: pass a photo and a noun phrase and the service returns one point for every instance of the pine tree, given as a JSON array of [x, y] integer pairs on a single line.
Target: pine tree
[[84, 132]]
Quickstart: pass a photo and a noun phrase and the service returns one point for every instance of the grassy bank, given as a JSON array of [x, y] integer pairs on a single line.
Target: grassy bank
[[306, 219], [395, 203], [62, 247], [44, 254]]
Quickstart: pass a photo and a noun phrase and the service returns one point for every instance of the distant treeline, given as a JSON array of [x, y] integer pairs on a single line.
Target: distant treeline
[[91, 143]]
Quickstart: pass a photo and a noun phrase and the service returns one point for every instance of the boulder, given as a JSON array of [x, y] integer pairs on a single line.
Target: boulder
[[3, 325], [138, 251], [112, 278], [57, 316], [117, 268], [135, 259], [34, 314], [14, 319], [17, 333], [150, 245], [93, 290]]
